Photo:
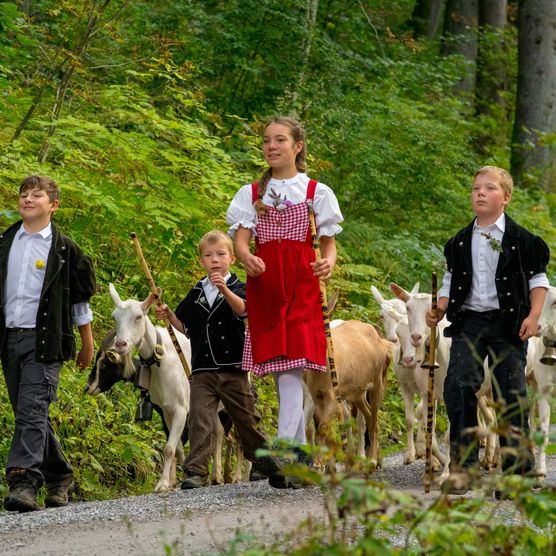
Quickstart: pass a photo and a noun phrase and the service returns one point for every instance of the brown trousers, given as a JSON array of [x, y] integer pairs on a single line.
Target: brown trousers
[[232, 388]]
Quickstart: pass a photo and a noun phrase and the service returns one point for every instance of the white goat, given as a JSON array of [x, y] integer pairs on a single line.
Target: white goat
[[388, 321], [362, 360], [169, 386], [417, 305], [542, 376]]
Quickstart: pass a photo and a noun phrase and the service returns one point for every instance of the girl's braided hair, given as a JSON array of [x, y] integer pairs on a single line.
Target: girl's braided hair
[[298, 135]]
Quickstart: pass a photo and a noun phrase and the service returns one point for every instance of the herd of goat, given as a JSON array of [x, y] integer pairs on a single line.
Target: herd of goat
[[362, 358]]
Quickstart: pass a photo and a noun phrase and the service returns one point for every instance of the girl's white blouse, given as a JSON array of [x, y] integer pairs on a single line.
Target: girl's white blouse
[[327, 211]]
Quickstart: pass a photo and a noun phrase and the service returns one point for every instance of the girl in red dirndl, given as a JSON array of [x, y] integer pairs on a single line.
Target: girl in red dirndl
[[286, 331]]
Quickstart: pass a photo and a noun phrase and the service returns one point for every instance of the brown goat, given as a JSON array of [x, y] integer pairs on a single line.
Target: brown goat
[[362, 358]]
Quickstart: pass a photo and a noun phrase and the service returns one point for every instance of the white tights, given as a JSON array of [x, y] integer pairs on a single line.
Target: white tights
[[291, 419]]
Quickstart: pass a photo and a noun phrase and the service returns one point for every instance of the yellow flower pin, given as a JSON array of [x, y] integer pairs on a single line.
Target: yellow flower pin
[[39, 264]]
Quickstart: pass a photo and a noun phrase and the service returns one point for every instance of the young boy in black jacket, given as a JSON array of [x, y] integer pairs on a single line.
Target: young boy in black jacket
[[492, 293], [212, 315], [45, 286]]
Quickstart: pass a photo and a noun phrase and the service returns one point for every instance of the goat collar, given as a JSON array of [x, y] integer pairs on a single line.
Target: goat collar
[[157, 354]]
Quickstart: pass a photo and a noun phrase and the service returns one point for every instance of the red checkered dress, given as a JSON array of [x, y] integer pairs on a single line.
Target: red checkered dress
[[284, 311]]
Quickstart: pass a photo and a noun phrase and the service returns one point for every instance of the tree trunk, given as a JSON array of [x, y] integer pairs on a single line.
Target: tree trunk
[[311, 8], [492, 61], [425, 18], [460, 36], [532, 162]]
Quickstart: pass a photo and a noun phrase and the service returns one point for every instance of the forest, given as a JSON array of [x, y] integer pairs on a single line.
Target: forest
[[149, 116]]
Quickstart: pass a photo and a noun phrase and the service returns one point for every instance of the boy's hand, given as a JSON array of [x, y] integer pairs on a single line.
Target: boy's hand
[[433, 317], [529, 328], [162, 312], [218, 280], [84, 357], [254, 266]]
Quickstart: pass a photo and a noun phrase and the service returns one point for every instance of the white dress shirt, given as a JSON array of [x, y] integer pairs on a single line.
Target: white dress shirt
[[327, 211], [483, 296], [27, 262]]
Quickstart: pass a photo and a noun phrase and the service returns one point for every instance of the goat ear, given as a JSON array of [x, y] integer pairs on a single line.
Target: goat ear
[[151, 300], [377, 295], [416, 288], [114, 295], [399, 292], [332, 302], [391, 312]]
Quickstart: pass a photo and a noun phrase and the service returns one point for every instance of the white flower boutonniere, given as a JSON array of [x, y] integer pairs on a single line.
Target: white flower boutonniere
[[494, 244]]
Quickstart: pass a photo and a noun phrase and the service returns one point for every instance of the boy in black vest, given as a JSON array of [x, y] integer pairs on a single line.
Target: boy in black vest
[[492, 293], [45, 286], [212, 316]]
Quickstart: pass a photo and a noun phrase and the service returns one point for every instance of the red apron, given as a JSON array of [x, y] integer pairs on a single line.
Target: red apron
[[283, 303]]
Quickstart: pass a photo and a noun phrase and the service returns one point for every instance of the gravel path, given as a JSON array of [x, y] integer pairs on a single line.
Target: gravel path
[[199, 521]]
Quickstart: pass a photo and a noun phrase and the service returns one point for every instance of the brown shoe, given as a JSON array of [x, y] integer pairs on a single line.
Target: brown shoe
[[457, 483], [57, 495], [22, 496]]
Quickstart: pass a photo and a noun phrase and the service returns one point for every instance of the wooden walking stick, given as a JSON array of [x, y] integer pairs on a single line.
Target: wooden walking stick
[[427, 480], [330, 362], [154, 291]]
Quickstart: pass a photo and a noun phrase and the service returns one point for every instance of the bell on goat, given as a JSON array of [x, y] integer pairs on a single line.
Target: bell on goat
[[144, 409], [549, 356]]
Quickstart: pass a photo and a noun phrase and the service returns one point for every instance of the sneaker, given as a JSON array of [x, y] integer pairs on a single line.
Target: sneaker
[[57, 495], [194, 481], [22, 496]]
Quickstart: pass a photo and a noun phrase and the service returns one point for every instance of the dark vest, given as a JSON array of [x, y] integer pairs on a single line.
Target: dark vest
[[217, 334], [523, 255]]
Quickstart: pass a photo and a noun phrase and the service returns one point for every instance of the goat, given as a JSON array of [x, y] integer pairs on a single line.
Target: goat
[[362, 360], [169, 387], [417, 305], [541, 374]]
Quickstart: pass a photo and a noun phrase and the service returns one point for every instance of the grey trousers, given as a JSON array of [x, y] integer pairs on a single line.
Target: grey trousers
[[32, 387]]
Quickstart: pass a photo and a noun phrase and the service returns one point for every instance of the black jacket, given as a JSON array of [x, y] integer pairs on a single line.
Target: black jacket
[[217, 334], [523, 255], [69, 279]]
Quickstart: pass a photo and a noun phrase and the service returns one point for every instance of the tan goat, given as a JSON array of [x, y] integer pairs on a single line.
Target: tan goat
[[362, 358]]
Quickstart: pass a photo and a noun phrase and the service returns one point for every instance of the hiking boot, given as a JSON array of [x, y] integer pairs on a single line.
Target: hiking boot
[[194, 481], [22, 496], [57, 495]]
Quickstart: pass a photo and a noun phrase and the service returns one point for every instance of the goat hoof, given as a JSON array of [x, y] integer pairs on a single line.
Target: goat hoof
[[409, 460], [162, 486]]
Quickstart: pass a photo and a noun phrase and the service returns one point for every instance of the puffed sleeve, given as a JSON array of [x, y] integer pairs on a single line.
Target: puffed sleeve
[[327, 211], [537, 256], [241, 211], [83, 284]]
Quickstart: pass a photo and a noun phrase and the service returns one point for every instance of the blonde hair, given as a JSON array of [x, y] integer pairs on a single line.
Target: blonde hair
[[42, 183], [215, 236], [298, 135], [504, 178]]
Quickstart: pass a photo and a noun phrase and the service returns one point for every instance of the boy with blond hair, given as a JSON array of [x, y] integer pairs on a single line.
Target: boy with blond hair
[[212, 316], [45, 286], [492, 294]]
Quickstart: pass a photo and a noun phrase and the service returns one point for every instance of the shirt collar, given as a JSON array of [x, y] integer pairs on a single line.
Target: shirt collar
[[500, 223], [296, 179], [46, 232]]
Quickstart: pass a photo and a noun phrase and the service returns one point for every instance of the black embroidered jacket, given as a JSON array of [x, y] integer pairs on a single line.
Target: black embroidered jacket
[[523, 255], [217, 334]]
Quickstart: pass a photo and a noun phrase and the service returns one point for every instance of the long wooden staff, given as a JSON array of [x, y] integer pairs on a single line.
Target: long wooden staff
[[427, 480], [324, 304], [154, 291]]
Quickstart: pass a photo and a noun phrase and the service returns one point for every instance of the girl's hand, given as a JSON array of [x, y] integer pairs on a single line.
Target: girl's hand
[[322, 269], [162, 312], [254, 266]]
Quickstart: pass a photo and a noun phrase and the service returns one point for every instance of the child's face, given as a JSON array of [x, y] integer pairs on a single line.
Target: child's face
[[34, 205], [488, 199], [216, 257], [279, 148]]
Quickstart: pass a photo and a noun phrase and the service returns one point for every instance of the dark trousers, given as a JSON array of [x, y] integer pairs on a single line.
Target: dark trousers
[[478, 337], [32, 387], [233, 389]]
